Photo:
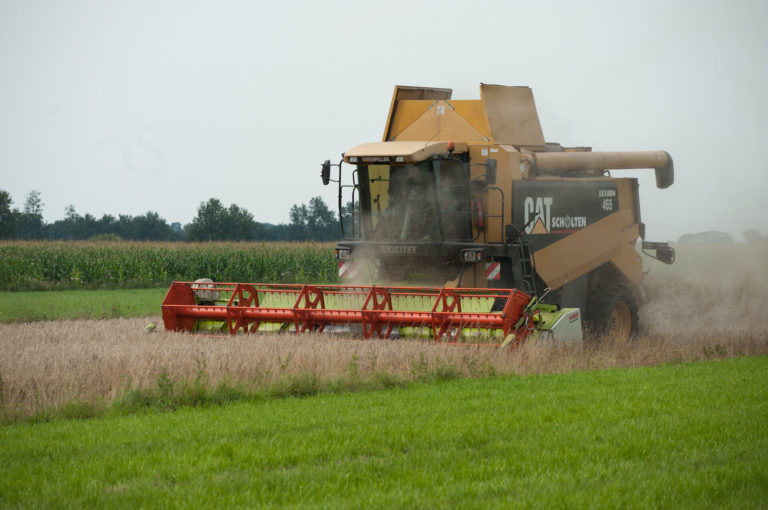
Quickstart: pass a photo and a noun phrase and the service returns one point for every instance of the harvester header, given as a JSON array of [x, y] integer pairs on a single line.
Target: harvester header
[[447, 315]]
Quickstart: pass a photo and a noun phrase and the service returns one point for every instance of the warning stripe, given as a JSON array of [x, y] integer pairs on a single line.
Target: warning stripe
[[493, 271]]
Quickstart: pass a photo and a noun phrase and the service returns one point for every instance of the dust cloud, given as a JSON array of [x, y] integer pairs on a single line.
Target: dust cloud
[[711, 290]]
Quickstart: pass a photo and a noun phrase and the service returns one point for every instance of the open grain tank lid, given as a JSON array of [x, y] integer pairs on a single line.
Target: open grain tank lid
[[502, 115]]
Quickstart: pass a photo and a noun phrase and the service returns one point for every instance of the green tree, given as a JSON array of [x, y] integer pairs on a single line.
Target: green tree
[[209, 223], [214, 222], [9, 218], [314, 221], [31, 225], [323, 224], [151, 227], [73, 226], [33, 203], [241, 226], [297, 229], [70, 214]]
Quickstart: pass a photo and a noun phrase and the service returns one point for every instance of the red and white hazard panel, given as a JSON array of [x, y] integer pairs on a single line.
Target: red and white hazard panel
[[348, 269], [493, 271]]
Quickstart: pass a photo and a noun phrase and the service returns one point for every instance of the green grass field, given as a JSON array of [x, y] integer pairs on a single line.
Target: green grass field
[[80, 304], [675, 436]]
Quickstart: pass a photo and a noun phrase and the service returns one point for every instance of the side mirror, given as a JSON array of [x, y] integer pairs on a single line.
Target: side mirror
[[490, 171], [666, 254], [325, 172]]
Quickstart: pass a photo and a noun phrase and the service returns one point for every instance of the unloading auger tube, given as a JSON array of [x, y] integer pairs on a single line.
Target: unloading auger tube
[[251, 307], [568, 162]]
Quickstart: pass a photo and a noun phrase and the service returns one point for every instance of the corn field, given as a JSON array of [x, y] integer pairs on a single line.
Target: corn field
[[45, 265]]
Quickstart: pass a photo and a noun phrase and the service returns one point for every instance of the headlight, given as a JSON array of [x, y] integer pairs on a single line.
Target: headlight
[[471, 255], [342, 253]]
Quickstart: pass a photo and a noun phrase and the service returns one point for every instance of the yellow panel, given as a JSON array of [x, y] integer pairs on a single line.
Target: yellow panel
[[512, 115], [405, 92], [473, 277], [565, 260], [474, 112], [441, 122], [405, 112], [626, 193], [479, 276], [629, 263]]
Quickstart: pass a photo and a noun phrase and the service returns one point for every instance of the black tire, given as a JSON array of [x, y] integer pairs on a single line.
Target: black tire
[[612, 312]]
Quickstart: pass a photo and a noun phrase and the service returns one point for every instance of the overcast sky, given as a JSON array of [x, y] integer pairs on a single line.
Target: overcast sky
[[128, 107]]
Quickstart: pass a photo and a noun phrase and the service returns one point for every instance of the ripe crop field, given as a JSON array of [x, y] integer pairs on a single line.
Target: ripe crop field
[[675, 436], [42, 265], [109, 364]]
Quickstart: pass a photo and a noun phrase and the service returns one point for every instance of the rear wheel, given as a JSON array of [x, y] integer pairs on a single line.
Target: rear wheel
[[612, 311]]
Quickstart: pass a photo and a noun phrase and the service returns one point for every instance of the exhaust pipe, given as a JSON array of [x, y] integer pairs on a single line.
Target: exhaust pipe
[[557, 162]]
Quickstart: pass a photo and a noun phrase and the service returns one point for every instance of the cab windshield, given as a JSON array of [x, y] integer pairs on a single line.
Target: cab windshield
[[428, 201]]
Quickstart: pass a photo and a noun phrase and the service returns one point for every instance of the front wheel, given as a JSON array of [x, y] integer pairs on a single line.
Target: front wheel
[[612, 311]]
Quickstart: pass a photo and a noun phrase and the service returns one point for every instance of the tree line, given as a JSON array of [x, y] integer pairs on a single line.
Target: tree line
[[214, 221]]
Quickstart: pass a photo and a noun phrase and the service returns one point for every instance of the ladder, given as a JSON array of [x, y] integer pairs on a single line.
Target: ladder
[[523, 263]]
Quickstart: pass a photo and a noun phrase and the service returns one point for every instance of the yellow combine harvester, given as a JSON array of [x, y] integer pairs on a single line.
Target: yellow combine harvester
[[467, 193], [507, 232]]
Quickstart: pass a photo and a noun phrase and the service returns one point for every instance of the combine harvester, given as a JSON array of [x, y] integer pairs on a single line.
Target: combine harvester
[[511, 235]]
